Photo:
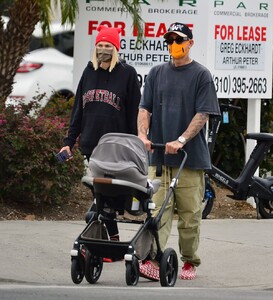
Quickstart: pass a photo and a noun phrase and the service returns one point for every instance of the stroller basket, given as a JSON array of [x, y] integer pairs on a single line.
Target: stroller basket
[[96, 240]]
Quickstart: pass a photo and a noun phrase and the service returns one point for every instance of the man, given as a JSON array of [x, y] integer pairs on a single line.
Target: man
[[177, 100]]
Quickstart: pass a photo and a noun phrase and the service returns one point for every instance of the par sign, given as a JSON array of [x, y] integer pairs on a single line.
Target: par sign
[[240, 47]]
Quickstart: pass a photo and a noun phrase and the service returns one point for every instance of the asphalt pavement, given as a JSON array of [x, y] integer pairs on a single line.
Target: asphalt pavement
[[234, 253]]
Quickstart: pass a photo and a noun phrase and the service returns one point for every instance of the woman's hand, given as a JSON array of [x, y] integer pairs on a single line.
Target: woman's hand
[[67, 148]]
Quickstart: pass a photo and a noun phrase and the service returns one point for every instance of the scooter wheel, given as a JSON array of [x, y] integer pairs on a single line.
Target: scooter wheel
[[266, 208]]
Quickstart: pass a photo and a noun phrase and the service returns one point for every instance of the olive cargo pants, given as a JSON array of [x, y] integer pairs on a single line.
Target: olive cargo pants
[[187, 201]]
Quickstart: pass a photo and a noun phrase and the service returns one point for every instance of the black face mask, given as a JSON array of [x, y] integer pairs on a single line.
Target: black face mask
[[104, 55]]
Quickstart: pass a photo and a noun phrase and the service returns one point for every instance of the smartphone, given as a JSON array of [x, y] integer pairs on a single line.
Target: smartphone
[[62, 156]]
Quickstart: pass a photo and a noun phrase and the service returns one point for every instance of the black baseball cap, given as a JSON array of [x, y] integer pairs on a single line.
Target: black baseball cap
[[180, 29]]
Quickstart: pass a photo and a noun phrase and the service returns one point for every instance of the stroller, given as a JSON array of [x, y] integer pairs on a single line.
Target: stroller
[[119, 182]]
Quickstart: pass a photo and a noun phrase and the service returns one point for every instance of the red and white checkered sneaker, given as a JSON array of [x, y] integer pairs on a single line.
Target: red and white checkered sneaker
[[149, 271], [188, 272]]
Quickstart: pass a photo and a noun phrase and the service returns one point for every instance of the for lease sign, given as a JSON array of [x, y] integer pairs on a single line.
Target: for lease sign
[[232, 38], [157, 16], [241, 48]]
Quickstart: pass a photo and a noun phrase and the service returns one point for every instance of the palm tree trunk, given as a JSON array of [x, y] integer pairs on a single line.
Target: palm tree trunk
[[14, 42]]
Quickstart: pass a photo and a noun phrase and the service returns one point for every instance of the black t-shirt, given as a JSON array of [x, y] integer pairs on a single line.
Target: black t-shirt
[[174, 95]]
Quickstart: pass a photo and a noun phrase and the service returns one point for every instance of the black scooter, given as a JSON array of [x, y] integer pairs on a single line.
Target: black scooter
[[246, 184]]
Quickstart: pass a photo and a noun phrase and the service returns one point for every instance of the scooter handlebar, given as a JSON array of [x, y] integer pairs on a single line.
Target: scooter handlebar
[[229, 107]]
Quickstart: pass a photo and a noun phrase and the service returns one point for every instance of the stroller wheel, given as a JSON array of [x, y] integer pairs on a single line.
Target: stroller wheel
[[132, 271], [168, 268], [77, 271], [93, 267]]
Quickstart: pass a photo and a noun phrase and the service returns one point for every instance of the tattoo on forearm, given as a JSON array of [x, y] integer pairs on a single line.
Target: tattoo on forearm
[[143, 121], [196, 125]]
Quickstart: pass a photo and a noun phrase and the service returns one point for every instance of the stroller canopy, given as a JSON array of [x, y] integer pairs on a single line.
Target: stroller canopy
[[121, 156]]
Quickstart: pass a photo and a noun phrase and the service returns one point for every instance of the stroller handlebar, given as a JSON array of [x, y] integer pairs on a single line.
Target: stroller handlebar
[[162, 147], [158, 146]]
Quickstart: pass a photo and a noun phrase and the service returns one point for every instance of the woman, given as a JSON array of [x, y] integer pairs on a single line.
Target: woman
[[106, 100]]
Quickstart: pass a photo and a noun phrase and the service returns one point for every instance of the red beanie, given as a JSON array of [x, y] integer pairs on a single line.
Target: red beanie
[[109, 34]]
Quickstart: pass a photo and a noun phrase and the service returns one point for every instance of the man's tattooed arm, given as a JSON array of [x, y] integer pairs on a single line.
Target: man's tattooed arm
[[196, 124], [143, 122]]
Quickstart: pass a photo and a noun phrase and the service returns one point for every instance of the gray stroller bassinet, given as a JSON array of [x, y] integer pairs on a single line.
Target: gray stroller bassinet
[[120, 156]]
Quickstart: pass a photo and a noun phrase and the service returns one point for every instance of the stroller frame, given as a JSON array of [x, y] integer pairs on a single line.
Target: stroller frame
[[92, 244]]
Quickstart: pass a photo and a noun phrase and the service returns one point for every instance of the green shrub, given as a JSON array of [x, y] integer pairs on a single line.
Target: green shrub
[[29, 171]]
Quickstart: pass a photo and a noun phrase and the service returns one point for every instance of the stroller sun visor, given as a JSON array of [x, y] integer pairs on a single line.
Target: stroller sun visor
[[121, 156]]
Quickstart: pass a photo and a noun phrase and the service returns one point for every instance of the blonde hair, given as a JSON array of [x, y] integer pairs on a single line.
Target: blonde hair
[[114, 61]]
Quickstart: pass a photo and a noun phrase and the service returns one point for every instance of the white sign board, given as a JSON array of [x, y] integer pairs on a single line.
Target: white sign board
[[240, 47], [250, 79], [157, 15]]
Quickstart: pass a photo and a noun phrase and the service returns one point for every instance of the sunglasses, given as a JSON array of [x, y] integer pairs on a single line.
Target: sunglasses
[[179, 40]]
